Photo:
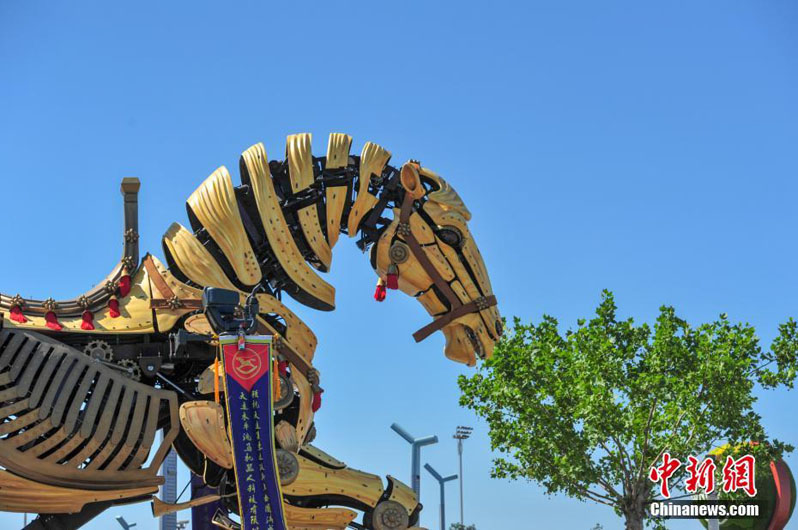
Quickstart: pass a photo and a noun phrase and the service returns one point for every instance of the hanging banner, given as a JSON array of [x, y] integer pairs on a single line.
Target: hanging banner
[[248, 390]]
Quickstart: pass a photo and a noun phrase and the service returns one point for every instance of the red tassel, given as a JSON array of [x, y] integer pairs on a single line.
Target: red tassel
[[87, 323], [316, 405], [16, 315], [393, 281], [282, 367], [113, 308], [124, 285], [51, 321], [380, 292]]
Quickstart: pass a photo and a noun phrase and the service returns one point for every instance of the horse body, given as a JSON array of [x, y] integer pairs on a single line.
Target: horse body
[[86, 383]]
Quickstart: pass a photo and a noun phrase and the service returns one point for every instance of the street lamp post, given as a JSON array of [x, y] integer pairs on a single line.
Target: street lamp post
[[441, 482], [462, 433], [415, 461]]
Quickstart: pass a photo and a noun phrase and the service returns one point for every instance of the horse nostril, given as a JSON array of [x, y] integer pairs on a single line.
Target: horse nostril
[[499, 327]]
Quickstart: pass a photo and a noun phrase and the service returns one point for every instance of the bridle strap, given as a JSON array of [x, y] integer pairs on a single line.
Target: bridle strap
[[483, 302], [457, 308], [421, 255]]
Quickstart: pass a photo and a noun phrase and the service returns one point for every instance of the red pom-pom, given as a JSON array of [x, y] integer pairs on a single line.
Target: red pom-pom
[[393, 281], [87, 323], [51, 321], [380, 292], [124, 285], [282, 367], [113, 307], [16, 315], [316, 405]]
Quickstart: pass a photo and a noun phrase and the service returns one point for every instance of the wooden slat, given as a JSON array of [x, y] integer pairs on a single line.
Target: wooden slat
[[77, 389], [255, 169], [135, 428], [68, 365], [215, 206], [337, 157], [18, 494], [26, 380], [149, 435], [300, 171], [372, 161], [120, 422]]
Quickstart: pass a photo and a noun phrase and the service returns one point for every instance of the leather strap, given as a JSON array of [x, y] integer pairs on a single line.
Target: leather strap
[[471, 307], [169, 299], [457, 308]]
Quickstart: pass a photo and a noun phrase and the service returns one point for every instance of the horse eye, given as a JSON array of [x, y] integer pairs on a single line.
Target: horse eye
[[451, 236]]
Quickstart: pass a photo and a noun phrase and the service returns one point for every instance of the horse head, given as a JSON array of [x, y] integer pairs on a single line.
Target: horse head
[[429, 253]]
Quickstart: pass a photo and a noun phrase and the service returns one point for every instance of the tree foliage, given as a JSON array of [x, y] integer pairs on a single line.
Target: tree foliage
[[588, 412]]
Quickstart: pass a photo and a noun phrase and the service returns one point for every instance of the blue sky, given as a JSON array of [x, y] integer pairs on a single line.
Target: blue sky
[[648, 148]]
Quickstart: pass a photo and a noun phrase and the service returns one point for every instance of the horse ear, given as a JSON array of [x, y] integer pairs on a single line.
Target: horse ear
[[411, 181]]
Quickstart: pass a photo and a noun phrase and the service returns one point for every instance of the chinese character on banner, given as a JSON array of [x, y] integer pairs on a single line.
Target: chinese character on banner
[[664, 472], [700, 475], [739, 475]]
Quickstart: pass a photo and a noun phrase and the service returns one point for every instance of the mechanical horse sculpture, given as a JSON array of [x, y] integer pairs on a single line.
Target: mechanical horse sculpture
[[86, 383]]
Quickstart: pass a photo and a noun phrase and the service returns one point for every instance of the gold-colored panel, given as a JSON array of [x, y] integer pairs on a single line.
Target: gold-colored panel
[[402, 494], [299, 155], [193, 259], [431, 302], [298, 334], [318, 518], [198, 324], [215, 206], [256, 165], [318, 454], [205, 385], [315, 479], [20, 495], [135, 317], [203, 422], [372, 161], [337, 157], [445, 196], [305, 419]]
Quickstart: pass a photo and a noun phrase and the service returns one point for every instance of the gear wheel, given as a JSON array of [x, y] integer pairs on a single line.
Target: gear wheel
[[131, 369], [99, 350]]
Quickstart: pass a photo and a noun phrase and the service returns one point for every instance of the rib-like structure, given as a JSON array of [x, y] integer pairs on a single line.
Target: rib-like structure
[[86, 383]]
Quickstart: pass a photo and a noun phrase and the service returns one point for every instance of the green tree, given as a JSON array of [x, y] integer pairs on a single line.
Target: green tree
[[587, 413]]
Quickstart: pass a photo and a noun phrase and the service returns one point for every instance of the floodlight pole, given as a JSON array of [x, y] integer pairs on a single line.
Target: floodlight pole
[[415, 461], [441, 482], [462, 433]]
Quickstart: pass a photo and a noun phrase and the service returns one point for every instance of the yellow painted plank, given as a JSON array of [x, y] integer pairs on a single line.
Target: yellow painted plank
[[300, 171], [255, 163], [372, 161], [215, 206], [337, 157], [193, 259]]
